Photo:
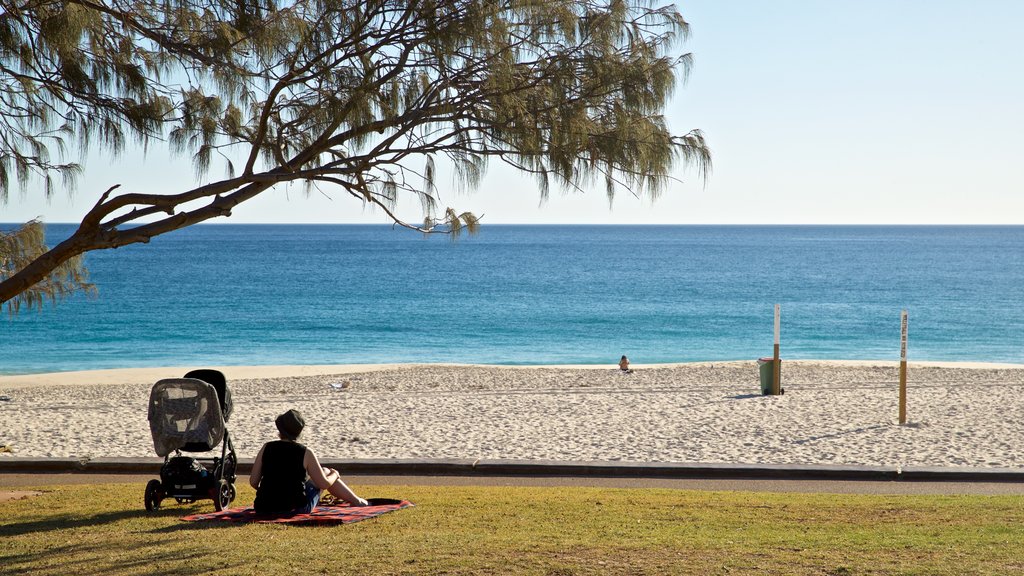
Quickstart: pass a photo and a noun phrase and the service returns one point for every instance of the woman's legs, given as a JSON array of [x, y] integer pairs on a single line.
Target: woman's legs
[[339, 489], [312, 498]]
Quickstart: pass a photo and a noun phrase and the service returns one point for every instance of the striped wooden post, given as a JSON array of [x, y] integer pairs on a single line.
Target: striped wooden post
[[903, 367], [777, 364]]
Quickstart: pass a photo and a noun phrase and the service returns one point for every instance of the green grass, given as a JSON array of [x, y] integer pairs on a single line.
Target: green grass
[[103, 529]]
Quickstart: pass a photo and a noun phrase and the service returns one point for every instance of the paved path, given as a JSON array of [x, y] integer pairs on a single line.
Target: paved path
[[18, 481]]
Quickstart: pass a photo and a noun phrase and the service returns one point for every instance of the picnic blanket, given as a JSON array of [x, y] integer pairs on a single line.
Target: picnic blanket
[[321, 515]]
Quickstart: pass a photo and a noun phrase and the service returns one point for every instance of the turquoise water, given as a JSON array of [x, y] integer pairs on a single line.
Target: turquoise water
[[297, 294]]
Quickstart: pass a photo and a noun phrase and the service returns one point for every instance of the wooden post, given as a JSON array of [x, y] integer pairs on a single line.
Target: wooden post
[[903, 367], [777, 364]]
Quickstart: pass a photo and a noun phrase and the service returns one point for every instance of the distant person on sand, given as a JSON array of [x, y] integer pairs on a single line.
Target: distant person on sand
[[288, 477], [624, 365]]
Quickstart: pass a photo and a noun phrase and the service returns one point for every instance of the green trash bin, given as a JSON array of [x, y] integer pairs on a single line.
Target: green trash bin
[[766, 367]]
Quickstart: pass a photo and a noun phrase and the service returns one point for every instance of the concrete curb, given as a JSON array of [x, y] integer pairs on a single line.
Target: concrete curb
[[549, 468], [679, 470]]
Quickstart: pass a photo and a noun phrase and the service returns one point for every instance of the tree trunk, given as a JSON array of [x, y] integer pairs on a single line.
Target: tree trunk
[[94, 235], [42, 267]]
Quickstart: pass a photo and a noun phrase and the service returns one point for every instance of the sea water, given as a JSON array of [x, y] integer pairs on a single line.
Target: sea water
[[329, 294]]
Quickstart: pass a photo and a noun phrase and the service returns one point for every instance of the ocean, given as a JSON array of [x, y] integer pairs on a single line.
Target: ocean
[[233, 294]]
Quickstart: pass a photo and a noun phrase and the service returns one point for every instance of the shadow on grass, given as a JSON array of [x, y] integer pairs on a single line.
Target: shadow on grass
[[94, 559], [197, 526], [66, 522], [62, 522]]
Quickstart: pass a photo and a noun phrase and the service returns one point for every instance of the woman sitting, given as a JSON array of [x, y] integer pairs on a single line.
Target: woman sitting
[[288, 477], [624, 365]]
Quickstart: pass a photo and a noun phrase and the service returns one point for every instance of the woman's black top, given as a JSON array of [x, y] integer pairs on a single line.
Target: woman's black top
[[283, 484]]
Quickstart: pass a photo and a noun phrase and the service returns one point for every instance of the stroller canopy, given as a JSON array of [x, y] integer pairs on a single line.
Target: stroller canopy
[[185, 414], [217, 380]]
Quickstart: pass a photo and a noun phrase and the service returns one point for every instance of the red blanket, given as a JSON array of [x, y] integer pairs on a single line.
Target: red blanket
[[321, 515]]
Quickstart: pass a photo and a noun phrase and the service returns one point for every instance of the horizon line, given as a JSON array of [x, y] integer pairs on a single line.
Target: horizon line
[[609, 224]]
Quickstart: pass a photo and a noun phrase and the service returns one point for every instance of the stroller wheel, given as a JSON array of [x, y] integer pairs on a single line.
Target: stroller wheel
[[225, 494], [153, 495]]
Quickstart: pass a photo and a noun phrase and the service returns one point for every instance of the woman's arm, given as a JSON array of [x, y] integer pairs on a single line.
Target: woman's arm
[[257, 469], [315, 471]]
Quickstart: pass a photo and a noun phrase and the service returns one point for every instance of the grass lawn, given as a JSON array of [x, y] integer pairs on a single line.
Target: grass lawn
[[103, 529]]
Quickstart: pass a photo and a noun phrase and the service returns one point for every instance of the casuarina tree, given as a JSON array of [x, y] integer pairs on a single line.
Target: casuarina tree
[[366, 97]]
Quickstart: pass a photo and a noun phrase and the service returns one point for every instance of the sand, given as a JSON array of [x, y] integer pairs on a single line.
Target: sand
[[832, 413]]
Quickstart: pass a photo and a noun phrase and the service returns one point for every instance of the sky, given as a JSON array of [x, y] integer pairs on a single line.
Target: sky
[[816, 112]]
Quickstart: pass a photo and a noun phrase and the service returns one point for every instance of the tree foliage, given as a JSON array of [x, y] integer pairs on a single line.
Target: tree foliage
[[20, 247], [365, 96]]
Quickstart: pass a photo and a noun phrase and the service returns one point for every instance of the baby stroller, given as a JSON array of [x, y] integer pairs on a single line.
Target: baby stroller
[[189, 414]]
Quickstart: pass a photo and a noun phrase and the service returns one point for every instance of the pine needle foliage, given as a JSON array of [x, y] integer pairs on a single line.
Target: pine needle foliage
[[25, 244], [364, 97]]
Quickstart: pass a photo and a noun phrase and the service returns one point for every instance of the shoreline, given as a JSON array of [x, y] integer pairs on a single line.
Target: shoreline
[[114, 376]]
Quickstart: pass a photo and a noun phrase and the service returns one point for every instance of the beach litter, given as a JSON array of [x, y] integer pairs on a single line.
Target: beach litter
[[6, 448], [5, 398], [341, 385]]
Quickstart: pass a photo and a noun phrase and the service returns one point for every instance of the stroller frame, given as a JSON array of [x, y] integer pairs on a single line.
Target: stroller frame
[[188, 479], [220, 488]]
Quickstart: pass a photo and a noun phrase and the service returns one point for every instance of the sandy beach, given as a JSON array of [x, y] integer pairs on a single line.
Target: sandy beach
[[832, 413]]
